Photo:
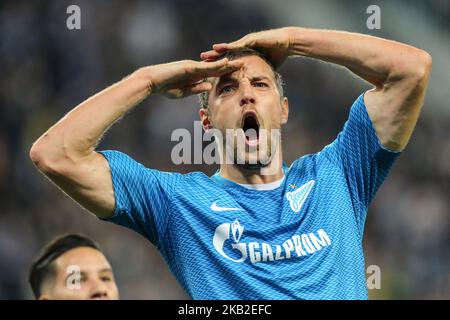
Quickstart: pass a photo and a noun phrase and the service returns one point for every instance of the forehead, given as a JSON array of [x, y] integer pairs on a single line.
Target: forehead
[[86, 258], [253, 67]]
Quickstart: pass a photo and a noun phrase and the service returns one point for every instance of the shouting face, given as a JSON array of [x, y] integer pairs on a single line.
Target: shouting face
[[246, 108]]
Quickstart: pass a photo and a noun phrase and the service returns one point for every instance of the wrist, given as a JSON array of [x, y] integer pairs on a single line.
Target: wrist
[[144, 76], [290, 35], [297, 41]]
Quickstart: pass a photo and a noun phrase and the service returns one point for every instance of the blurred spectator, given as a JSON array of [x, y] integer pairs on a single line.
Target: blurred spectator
[[72, 267]]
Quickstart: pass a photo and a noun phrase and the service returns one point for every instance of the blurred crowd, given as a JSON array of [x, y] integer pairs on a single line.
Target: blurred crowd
[[47, 69]]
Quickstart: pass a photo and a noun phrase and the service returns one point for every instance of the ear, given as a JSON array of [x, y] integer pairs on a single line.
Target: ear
[[284, 110], [204, 118]]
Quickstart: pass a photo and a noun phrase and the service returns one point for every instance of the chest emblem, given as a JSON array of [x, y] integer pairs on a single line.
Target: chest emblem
[[297, 197]]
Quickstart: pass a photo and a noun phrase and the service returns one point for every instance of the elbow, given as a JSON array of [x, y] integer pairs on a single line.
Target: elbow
[[54, 156], [413, 69], [39, 156], [46, 157], [415, 72], [422, 67]]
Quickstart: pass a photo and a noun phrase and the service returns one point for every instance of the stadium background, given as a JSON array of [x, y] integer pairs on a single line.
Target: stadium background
[[47, 69]]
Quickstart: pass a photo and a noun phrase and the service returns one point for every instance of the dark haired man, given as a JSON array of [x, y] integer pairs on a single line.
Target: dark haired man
[[72, 267]]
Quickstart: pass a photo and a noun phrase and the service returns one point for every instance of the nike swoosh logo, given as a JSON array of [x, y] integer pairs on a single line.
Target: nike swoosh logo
[[215, 207]]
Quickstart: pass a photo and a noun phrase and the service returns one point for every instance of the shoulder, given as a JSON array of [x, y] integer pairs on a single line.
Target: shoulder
[[313, 160], [325, 161]]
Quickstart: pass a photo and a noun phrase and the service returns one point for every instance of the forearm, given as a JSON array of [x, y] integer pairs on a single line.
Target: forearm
[[76, 135], [74, 138], [378, 61]]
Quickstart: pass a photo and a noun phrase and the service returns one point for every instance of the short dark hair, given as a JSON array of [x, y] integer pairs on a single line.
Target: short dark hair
[[244, 52], [42, 267]]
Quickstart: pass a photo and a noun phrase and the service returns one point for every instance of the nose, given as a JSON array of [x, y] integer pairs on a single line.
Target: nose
[[247, 95], [98, 290], [99, 294]]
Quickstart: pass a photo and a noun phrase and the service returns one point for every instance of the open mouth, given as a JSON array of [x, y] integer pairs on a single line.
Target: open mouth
[[250, 126]]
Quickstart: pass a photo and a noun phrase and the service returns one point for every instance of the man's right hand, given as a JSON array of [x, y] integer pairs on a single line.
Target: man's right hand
[[183, 78]]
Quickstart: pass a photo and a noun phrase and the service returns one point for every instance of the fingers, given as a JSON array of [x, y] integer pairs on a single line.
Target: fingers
[[213, 65], [200, 87], [210, 55], [218, 68], [211, 69], [220, 48]]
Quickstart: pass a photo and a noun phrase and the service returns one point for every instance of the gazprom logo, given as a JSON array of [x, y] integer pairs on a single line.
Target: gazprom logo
[[227, 237], [222, 234]]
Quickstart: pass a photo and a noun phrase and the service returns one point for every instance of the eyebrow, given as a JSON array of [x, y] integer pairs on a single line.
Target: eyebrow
[[227, 79], [83, 273], [258, 78]]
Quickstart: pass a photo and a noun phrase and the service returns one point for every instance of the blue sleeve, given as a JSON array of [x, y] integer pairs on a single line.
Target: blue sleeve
[[141, 195], [364, 161]]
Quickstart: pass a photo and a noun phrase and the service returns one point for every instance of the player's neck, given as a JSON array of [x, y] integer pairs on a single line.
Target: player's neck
[[246, 175]]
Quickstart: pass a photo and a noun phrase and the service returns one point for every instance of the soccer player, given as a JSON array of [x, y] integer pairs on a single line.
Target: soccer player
[[72, 267], [247, 233]]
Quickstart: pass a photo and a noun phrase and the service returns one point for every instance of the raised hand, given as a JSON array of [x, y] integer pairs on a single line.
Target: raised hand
[[275, 44], [183, 78]]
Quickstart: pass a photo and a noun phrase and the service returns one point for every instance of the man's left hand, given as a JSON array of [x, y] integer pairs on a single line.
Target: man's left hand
[[274, 44]]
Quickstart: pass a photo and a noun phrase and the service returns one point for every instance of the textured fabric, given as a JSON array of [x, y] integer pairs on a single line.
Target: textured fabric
[[302, 240]]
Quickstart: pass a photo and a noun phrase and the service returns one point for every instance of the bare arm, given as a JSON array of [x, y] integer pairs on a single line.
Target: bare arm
[[66, 152], [398, 71]]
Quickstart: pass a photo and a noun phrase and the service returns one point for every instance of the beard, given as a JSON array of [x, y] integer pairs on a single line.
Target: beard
[[251, 151]]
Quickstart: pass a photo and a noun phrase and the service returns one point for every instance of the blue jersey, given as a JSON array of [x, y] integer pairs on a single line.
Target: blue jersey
[[299, 240]]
